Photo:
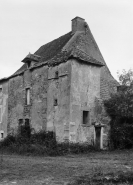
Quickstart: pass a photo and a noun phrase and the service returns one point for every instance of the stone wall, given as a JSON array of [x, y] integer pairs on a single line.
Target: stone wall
[[59, 90], [36, 81], [3, 108], [85, 87], [39, 98], [16, 99]]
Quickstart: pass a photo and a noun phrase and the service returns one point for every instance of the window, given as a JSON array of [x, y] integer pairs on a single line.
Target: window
[[27, 128], [0, 91], [2, 135], [20, 122], [86, 117], [27, 123], [56, 74], [55, 102], [28, 64], [28, 96]]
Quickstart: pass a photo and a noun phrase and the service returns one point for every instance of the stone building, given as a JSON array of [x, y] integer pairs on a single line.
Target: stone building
[[60, 88]]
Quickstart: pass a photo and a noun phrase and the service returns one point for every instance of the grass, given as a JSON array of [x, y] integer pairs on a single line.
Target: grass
[[94, 168]]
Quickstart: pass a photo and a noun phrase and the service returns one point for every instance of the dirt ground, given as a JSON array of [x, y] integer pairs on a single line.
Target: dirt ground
[[27, 170]]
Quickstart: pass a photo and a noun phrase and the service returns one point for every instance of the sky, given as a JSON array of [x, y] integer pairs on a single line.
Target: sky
[[25, 25]]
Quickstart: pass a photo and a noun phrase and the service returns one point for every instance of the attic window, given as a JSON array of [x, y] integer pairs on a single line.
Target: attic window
[[55, 102], [28, 64], [56, 74]]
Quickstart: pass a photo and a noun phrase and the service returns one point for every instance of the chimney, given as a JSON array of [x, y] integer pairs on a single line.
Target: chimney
[[78, 24]]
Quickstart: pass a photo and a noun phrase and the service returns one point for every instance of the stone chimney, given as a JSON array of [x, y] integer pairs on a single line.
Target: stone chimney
[[78, 24]]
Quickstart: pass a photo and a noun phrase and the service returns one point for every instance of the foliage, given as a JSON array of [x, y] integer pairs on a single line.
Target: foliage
[[120, 109], [40, 143]]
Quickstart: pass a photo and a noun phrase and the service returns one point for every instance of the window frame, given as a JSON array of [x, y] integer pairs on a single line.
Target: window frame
[[28, 101], [85, 118]]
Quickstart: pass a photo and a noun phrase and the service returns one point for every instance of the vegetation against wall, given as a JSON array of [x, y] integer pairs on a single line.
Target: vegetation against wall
[[40, 143], [120, 109]]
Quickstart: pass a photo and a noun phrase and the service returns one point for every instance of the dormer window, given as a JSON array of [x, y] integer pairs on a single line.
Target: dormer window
[[28, 64], [31, 59]]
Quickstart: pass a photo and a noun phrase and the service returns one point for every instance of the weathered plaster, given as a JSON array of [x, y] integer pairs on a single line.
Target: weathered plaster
[[85, 87], [58, 116], [39, 98], [15, 102], [4, 107]]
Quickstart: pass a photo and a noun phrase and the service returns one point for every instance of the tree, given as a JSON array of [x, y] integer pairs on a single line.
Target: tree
[[120, 109]]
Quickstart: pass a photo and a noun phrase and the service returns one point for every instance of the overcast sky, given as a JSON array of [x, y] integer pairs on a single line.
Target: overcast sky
[[25, 25]]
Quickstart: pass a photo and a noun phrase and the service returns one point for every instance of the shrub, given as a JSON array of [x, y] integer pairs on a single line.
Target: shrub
[[41, 143], [122, 136], [8, 141]]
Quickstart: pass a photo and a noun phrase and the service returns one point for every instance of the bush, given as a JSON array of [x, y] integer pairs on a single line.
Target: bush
[[122, 136], [8, 141], [41, 143]]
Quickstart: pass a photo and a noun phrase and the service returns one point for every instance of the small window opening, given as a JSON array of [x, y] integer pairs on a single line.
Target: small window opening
[[27, 123], [20, 122], [27, 128], [20, 125], [56, 74], [28, 96], [85, 117], [28, 64], [0, 91], [2, 135], [55, 102]]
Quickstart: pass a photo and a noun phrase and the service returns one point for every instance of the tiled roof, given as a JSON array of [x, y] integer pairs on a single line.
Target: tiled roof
[[53, 52], [81, 45], [49, 50]]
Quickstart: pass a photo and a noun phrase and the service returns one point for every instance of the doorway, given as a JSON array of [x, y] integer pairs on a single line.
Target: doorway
[[98, 137]]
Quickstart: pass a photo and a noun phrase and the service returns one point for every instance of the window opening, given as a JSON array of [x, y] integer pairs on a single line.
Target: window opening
[[20, 122], [28, 96], [85, 117], [27, 128], [28, 64], [55, 102], [0, 91], [56, 74], [27, 123], [2, 135]]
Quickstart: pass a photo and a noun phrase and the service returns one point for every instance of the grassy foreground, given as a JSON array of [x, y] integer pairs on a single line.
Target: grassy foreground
[[95, 168]]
